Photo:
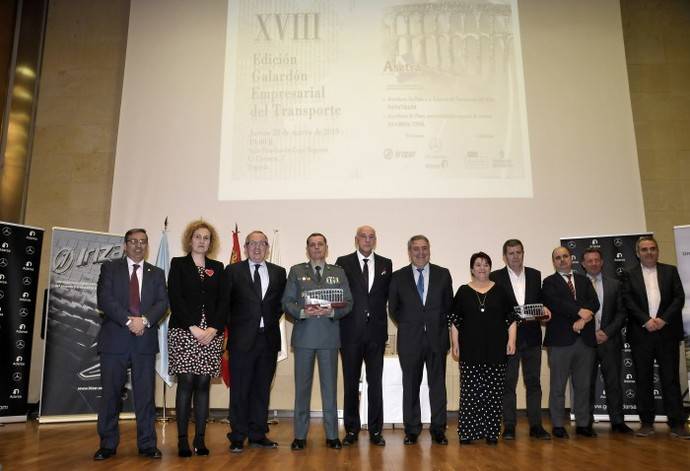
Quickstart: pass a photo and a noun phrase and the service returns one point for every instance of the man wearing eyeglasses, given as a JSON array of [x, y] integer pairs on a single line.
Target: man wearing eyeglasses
[[251, 304], [133, 298]]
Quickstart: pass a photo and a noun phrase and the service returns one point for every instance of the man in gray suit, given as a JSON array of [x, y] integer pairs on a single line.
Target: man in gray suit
[[316, 334], [609, 321]]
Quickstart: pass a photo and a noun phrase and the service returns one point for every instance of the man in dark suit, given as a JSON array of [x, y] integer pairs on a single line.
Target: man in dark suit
[[132, 296], [570, 341], [523, 284], [654, 296], [609, 321], [363, 333], [420, 298], [251, 302], [316, 334]]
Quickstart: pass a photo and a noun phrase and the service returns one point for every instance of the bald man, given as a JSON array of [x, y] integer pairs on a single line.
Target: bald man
[[364, 332]]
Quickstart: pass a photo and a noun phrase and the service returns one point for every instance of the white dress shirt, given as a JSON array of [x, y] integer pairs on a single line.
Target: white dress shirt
[[598, 284], [425, 272], [651, 284], [518, 283], [370, 264], [263, 274]]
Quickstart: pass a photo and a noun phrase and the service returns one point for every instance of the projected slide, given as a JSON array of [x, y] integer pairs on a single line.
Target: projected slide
[[347, 99]]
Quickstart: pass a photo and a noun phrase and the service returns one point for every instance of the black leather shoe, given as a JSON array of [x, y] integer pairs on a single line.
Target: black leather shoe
[[509, 432], [199, 446], [560, 432], [538, 432], [410, 439], [153, 453], [492, 441], [104, 454], [585, 432], [350, 438], [334, 443], [439, 438], [183, 450], [298, 444], [377, 439], [236, 446], [465, 441], [263, 443], [621, 428]]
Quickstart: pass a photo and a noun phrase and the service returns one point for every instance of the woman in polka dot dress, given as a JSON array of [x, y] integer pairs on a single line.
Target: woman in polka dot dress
[[483, 331], [195, 338]]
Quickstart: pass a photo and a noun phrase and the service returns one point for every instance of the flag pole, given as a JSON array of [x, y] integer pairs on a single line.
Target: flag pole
[[164, 418]]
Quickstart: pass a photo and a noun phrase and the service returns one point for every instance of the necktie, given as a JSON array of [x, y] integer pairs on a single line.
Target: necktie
[[317, 277], [365, 272], [571, 286], [257, 280], [134, 301], [420, 284]]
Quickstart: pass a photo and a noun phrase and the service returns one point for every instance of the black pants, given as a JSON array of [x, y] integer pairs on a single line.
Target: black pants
[[412, 365], [609, 356], [371, 353], [644, 352], [530, 357], [251, 374]]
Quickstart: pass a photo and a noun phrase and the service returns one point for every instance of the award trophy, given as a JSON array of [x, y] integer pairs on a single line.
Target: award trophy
[[324, 298], [530, 312]]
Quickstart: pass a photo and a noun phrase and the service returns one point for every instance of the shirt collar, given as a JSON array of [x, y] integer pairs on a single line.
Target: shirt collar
[[131, 263], [517, 275], [648, 270], [361, 257]]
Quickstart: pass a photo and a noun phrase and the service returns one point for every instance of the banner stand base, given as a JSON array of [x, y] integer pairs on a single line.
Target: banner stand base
[[13, 419]]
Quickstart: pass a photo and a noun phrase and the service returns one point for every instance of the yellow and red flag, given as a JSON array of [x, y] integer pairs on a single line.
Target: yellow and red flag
[[235, 256]]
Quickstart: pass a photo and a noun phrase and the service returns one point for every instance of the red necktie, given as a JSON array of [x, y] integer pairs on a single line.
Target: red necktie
[[571, 287], [134, 301]]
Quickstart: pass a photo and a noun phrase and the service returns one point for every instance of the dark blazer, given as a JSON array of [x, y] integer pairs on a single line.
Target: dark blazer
[[411, 316], [354, 327], [670, 308], [564, 310], [243, 307], [188, 293], [113, 300], [613, 314], [528, 333]]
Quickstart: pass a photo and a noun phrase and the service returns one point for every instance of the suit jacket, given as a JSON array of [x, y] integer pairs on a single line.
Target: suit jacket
[[564, 310], [188, 294], [354, 327], [412, 317], [113, 301], [528, 333], [315, 332], [243, 307], [613, 314], [670, 308]]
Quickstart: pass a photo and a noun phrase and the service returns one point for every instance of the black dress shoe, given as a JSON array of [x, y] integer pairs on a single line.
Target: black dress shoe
[[377, 439], [183, 450], [263, 443], [298, 444], [410, 439], [334, 443], [152, 452], [104, 454], [621, 428], [465, 441], [560, 432], [585, 432], [199, 446], [439, 438], [538, 432], [492, 441], [509, 432], [350, 438], [236, 446]]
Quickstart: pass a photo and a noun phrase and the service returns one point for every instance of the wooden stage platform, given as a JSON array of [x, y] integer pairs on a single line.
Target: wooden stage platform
[[71, 447]]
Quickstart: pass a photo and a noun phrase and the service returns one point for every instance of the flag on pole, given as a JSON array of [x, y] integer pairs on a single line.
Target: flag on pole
[[275, 258], [235, 256], [163, 262]]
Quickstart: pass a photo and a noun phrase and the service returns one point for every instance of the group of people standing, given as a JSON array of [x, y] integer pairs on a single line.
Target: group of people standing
[[583, 315]]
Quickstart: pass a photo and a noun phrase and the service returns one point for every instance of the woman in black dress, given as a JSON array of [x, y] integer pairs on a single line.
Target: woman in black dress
[[483, 332], [195, 337]]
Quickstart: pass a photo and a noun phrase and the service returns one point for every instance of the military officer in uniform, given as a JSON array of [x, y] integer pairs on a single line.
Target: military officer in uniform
[[316, 334]]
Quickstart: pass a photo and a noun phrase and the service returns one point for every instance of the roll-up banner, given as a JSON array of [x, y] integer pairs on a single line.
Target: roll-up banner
[[619, 254], [20, 257], [682, 235], [71, 388]]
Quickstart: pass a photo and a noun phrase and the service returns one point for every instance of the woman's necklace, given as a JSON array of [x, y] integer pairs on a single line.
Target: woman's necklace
[[481, 300]]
